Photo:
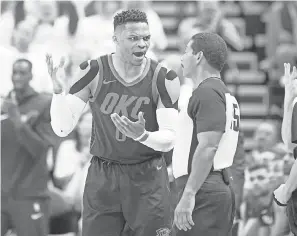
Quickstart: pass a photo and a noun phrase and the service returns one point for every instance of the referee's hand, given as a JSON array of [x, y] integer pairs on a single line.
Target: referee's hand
[[183, 212]]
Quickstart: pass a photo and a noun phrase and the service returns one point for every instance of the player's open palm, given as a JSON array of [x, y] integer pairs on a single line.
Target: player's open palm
[[56, 72], [290, 80], [127, 127]]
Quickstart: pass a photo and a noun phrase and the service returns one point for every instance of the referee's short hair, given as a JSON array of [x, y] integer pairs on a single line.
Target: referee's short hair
[[213, 47]]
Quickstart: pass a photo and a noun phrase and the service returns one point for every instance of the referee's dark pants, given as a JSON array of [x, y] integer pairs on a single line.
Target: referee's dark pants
[[214, 210]]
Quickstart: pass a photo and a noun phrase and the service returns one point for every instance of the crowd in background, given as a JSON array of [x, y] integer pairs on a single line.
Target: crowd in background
[[81, 30]]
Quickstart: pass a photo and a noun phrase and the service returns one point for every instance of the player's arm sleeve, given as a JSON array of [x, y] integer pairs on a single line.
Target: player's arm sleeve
[[168, 88], [66, 109]]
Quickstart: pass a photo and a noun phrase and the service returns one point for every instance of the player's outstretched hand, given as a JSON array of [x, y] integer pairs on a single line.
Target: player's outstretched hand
[[127, 127], [290, 80], [58, 85], [183, 212]]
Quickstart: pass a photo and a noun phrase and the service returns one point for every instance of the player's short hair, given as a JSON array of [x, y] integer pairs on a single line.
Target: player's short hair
[[258, 166], [30, 66], [213, 47], [131, 15]]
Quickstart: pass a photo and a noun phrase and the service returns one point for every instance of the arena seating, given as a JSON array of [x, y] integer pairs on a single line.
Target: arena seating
[[250, 85]]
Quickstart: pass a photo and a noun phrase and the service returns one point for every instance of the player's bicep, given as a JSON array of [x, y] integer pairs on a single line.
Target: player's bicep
[[168, 88], [83, 82]]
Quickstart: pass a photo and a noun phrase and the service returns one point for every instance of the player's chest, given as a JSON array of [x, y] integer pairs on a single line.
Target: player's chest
[[114, 97]]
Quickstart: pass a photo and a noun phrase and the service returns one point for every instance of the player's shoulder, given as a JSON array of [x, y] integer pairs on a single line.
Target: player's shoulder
[[92, 63], [163, 71], [166, 83], [84, 75]]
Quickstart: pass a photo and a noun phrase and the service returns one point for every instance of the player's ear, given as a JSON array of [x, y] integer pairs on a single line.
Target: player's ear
[[199, 57]]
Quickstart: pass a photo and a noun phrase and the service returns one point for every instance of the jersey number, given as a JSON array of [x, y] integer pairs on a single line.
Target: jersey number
[[120, 136], [123, 104], [235, 120]]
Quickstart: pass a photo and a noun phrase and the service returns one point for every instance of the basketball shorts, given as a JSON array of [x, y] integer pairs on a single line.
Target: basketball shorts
[[127, 200]]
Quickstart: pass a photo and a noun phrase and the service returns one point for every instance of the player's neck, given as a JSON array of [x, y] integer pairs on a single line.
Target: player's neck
[[127, 71]]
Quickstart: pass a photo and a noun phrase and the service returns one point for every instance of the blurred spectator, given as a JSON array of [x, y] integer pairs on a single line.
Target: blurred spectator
[[57, 25], [72, 161], [99, 38], [8, 20], [22, 48], [26, 135], [265, 139], [268, 152], [210, 18], [257, 210], [281, 25]]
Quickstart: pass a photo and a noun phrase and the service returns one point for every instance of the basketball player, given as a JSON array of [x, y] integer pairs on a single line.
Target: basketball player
[[133, 101], [205, 200]]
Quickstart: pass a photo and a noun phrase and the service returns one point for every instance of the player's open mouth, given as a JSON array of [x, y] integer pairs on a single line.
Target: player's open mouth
[[139, 54]]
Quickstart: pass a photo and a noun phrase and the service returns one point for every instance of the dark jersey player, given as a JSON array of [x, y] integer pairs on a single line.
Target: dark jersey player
[[133, 101], [205, 199]]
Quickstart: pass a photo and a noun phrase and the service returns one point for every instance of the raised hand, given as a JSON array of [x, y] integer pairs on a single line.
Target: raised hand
[[290, 78], [290, 81], [56, 73]]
